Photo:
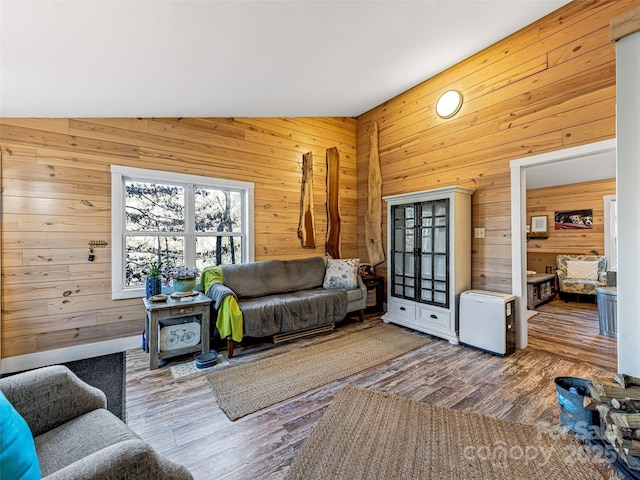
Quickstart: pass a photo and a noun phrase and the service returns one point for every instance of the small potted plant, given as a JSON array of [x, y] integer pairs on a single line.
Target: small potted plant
[[153, 284], [183, 277]]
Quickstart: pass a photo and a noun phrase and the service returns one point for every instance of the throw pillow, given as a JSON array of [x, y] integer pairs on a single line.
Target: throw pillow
[[341, 273], [587, 270], [18, 459]]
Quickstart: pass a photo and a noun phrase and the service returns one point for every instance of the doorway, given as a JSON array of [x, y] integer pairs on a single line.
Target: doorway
[[518, 218]]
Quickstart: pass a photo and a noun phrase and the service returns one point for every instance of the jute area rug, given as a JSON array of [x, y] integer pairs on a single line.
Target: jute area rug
[[374, 435], [248, 388]]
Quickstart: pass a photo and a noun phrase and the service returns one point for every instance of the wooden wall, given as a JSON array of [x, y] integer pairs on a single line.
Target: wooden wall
[[547, 87], [56, 198], [541, 252]]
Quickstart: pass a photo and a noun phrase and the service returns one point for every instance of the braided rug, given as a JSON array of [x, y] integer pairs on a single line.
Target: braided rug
[[367, 435], [248, 388]]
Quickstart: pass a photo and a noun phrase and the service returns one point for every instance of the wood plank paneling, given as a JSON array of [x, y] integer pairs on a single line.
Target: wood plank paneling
[[547, 87], [56, 197], [541, 252], [625, 24]]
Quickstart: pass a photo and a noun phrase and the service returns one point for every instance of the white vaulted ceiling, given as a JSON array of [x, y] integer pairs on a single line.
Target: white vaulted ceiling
[[121, 58]]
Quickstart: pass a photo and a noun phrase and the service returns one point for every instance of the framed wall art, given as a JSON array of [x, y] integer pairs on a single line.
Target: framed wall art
[[539, 226], [574, 220]]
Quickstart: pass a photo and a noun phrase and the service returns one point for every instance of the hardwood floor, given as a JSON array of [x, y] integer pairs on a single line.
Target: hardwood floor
[[571, 330], [180, 418]]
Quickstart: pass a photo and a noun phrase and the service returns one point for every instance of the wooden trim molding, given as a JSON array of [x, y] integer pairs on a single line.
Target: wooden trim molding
[[626, 24]]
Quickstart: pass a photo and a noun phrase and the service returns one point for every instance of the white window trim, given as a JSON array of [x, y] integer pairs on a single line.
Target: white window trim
[[118, 173]]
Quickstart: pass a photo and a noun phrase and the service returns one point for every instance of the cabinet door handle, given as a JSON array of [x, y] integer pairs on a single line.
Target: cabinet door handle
[[434, 315], [182, 310], [402, 308]]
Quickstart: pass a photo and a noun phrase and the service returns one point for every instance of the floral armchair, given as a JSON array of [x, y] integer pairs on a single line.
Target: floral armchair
[[581, 274]]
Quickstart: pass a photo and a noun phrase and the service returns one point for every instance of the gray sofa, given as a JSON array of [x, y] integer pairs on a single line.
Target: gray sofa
[[285, 296], [75, 436]]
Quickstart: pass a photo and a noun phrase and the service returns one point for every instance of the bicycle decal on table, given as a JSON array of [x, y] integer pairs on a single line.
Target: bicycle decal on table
[[180, 335]]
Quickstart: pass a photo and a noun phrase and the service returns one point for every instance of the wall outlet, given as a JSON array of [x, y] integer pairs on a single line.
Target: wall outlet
[[478, 232]]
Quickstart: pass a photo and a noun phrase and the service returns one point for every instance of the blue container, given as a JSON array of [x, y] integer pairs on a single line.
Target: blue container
[[206, 360], [184, 285], [153, 286], [571, 392]]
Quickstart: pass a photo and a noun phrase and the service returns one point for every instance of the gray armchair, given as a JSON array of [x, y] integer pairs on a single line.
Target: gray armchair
[[75, 436]]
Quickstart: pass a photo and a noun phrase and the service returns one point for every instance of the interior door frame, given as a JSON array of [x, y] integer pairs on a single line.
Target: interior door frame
[[518, 221], [610, 247]]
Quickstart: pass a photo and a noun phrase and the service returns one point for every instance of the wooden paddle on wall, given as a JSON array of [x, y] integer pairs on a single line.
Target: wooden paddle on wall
[[373, 216], [333, 207], [306, 226]]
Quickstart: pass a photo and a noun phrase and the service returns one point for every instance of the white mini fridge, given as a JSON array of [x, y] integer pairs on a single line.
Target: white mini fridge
[[488, 321]]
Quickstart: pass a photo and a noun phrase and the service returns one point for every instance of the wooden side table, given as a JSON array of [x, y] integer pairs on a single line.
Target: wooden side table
[[541, 288], [374, 282], [197, 307]]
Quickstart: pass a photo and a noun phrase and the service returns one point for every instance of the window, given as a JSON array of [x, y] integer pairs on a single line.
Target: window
[[175, 219]]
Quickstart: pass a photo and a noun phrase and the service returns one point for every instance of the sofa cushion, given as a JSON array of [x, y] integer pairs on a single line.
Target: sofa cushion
[[79, 438], [341, 273], [354, 295], [18, 457], [583, 269], [258, 279], [581, 286]]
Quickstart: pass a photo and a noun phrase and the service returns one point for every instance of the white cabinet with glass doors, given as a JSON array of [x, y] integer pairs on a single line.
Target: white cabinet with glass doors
[[429, 259]]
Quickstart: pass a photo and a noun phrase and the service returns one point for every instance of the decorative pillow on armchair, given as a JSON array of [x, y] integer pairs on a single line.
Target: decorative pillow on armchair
[[18, 457], [586, 270], [341, 273]]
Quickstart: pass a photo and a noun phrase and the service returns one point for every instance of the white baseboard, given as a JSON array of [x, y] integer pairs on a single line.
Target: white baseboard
[[79, 352]]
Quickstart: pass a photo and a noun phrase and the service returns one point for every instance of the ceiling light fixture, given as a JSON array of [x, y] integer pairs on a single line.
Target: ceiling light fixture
[[449, 104]]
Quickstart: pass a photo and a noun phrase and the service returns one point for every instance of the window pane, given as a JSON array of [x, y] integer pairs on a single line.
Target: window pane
[[397, 264], [211, 251], [441, 208], [440, 240], [152, 207], [426, 266], [440, 267], [409, 242], [143, 251], [217, 210], [427, 246], [399, 240], [409, 265]]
